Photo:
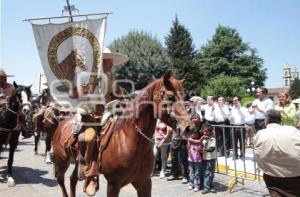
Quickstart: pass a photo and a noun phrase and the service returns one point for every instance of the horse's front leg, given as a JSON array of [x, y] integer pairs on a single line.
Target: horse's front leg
[[13, 143], [48, 148], [73, 181], [112, 190], [3, 138], [143, 188]]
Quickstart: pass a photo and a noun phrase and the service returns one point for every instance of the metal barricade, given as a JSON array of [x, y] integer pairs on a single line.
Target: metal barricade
[[227, 161]]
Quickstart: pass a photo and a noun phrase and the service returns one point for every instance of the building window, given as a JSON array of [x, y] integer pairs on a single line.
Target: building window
[[286, 82], [286, 73]]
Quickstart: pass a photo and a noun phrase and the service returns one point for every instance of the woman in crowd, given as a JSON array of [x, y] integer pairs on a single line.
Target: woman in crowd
[[287, 109], [162, 137]]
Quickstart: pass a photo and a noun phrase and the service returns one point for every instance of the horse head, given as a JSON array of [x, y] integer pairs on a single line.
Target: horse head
[[22, 95], [169, 99]]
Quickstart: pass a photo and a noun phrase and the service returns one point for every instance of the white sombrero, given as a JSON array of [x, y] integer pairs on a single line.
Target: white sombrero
[[196, 99], [117, 58], [3, 73]]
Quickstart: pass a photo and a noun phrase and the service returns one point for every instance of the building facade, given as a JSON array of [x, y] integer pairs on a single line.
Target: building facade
[[290, 73]]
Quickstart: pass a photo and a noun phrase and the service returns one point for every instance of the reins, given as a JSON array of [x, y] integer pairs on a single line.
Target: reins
[[143, 135]]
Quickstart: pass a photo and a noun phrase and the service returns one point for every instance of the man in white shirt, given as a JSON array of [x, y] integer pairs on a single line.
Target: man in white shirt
[[260, 106], [277, 152], [209, 109], [221, 115], [250, 129], [238, 115], [195, 107]]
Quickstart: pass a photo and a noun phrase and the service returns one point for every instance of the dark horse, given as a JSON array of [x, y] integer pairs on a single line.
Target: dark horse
[[127, 155], [47, 124], [45, 121], [12, 123]]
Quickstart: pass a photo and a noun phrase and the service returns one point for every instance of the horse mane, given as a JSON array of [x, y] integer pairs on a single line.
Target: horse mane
[[145, 95]]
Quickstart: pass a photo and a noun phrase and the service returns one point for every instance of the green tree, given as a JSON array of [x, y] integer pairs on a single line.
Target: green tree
[[225, 86], [147, 58], [227, 54], [182, 53], [295, 89]]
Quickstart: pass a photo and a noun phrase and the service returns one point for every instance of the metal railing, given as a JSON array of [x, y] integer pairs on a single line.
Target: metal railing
[[227, 140]]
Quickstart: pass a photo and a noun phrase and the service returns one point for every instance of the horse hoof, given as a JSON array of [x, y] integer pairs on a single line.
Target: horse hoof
[[36, 153], [11, 182], [48, 160]]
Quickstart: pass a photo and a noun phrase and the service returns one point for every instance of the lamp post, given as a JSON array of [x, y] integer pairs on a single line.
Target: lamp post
[[251, 89]]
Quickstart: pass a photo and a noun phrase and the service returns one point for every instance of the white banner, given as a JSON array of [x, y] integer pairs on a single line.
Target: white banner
[[71, 55]]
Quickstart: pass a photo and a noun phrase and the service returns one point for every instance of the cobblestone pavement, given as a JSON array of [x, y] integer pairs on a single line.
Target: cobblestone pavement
[[35, 178]]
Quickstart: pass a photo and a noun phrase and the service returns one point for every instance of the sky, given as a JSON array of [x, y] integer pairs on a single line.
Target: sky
[[270, 26]]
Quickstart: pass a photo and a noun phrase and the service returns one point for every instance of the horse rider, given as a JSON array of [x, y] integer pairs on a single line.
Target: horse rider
[[109, 60], [44, 99], [6, 88], [89, 136]]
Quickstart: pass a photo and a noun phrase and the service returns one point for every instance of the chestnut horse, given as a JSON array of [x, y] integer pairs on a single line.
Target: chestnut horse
[[128, 157]]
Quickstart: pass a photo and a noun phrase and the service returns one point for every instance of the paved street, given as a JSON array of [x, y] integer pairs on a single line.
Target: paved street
[[35, 178]]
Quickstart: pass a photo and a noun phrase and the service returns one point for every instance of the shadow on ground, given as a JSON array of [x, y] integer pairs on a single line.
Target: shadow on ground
[[25, 175]]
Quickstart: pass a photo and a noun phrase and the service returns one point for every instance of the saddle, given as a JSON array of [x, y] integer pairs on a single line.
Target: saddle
[[105, 137], [78, 146]]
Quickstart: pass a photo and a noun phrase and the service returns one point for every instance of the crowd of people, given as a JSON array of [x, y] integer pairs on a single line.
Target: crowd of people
[[219, 126]]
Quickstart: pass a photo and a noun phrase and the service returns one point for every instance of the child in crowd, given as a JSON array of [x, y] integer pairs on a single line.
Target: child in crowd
[[209, 158], [194, 158]]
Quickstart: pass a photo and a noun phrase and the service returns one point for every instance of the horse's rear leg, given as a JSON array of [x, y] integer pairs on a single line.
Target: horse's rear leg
[[36, 141], [73, 181], [143, 189], [112, 190]]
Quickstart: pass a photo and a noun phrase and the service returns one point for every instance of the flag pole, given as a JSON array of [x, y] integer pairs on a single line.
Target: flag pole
[[69, 9], [56, 17]]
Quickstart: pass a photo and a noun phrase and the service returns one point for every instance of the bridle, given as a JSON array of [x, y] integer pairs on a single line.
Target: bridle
[[168, 101], [18, 112]]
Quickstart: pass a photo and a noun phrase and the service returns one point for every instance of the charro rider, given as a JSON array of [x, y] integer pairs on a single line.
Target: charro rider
[[109, 60], [6, 88], [106, 83], [88, 137]]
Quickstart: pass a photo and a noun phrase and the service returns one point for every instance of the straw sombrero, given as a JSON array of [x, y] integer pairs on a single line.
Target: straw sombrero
[[117, 58], [3, 73]]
